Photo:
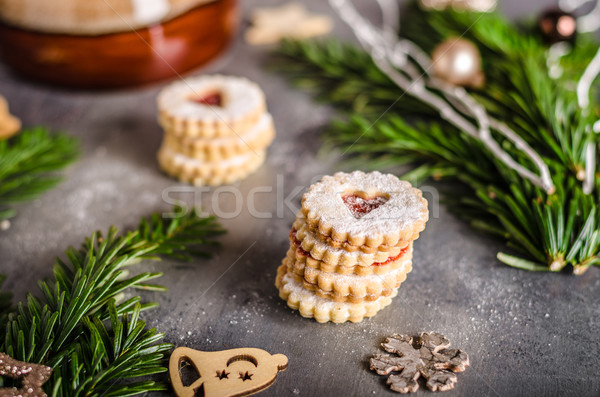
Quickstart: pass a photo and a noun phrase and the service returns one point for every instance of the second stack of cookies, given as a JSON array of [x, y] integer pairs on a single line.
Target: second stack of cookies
[[351, 246], [217, 129]]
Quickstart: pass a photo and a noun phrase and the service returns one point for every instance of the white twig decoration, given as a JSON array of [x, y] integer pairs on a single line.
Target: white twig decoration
[[589, 22], [587, 78], [391, 55], [583, 97]]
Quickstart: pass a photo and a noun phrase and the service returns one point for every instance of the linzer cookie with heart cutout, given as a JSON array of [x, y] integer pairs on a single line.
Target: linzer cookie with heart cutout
[[337, 280], [217, 129], [211, 106], [365, 209]]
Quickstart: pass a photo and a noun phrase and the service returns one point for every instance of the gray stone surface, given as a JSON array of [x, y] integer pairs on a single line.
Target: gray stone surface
[[527, 334]]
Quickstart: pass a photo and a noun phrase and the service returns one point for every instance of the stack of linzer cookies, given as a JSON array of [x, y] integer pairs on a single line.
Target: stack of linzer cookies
[[217, 129], [351, 246]]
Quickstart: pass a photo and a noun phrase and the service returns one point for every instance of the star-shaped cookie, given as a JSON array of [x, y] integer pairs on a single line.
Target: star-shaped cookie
[[291, 20]]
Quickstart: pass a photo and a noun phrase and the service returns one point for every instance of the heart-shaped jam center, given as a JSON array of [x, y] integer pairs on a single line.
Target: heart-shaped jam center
[[209, 99], [360, 207]]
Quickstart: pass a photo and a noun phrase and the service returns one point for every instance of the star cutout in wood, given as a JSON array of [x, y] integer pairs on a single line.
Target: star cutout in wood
[[32, 376], [245, 376], [223, 374], [291, 20]]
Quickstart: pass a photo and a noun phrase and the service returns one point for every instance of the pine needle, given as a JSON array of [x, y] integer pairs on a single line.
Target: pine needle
[[94, 341], [29, 163], [544, 232]]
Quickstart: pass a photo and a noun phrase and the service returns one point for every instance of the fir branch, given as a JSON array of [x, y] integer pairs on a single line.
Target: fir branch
[[547, 232], [96, 344], [519, 90], [342, 75], [28, 165], [5, 305]]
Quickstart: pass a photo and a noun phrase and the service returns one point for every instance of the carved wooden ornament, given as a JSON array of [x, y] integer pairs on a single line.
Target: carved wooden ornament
[[235, 372], [32, 377]]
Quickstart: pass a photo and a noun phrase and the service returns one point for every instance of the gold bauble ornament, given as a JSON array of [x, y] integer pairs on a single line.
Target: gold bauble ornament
[[458, 62], [460, 5]]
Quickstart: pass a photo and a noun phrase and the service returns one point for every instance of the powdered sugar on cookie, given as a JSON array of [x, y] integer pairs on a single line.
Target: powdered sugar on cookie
[[217, 129], [239, 98], [351, 246], [365, 208]]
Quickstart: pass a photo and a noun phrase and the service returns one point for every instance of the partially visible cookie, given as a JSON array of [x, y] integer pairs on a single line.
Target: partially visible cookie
[[291, 20], [322, 309], [383, 248], [200, 173], [349, 288], [257, 138], [338, 256]]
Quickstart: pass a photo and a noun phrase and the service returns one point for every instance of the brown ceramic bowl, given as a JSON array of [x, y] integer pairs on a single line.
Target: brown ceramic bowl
[[122, 59]]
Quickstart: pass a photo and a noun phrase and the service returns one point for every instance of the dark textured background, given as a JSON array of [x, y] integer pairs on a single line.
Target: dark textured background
[[527, 334]]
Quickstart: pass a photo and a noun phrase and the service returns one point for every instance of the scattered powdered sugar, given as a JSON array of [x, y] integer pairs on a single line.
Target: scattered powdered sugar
[[405, 205], [240, 97]]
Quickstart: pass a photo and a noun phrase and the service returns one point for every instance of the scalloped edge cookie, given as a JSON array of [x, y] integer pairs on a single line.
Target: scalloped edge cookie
[[321, 309], [243, 106], [338, 256], [349, 288], [202, 173], [401, 218], [345, 245], [255, 139], [302, 259]]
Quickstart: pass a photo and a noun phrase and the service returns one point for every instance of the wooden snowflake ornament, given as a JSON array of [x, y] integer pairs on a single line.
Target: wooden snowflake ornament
[[291, 20], [32, 377], [427, 355]]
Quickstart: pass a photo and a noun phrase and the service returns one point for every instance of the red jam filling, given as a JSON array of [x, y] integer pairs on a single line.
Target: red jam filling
[[360, 207], [297, 243], [392, 259], [303, 252], [210, 99]]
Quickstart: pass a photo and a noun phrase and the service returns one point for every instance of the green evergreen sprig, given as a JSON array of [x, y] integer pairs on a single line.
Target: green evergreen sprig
[[29, 163], [386, 125], [82, 327], [5, 305]]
